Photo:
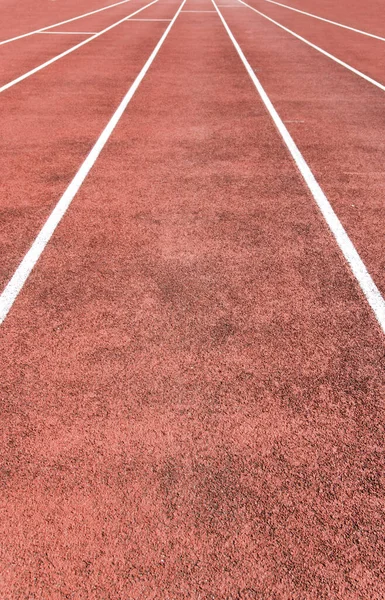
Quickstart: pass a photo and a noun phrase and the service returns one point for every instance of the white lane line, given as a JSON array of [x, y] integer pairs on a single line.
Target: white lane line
[[72, 49], [359, 270], [377, 37], [23, 35], [167, 20], [299, 37], [68, 32], [198, 11], [21, 274]]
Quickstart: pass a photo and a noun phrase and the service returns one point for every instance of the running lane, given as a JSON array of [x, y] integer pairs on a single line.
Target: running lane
[[368, 16], [361, 52], [27, 53], [18, 18], [193, 386], [52, 119], [335, 118]]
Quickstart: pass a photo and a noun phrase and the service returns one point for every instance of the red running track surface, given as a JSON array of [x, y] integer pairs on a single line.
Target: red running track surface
[[192, 381], [357, 50], [367, 16], [51, 121], [19, 18], [335, 117]]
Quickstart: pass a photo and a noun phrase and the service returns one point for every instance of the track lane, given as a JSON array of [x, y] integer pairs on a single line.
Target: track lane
[[355, 13], [330, 21], [75, 23], [26, 54], [136, 9], [335, 118], [193, 385], [20, 18], [362, 53], [51, 121], [357, 266]]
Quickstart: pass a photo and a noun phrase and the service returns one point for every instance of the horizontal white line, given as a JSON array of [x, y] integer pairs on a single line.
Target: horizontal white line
[[15, 285], [167, 20], [346, 246], [72, 49], [299, 37], [198, 11], [18, 37], [67, 32], [377, 37]]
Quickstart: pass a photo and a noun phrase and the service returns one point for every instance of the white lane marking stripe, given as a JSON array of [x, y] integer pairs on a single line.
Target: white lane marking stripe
[[67, 32], [23, 35], [21, 274], [337, 60], [167, 20], [55, 58], [198, 11], [377, 37], [347, 248]]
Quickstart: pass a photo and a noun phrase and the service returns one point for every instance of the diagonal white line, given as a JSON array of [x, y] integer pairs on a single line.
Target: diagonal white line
[[376, 37], [23, 35], [299, 37], [16, 283], [359, 270], [66, 52]]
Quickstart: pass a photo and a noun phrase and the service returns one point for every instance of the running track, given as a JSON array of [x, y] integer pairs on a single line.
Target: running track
[[192, 375]]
